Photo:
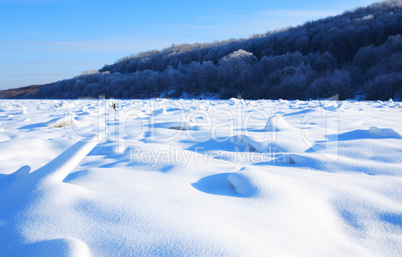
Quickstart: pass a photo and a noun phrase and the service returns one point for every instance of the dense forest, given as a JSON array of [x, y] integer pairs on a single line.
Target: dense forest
[[357, 54]]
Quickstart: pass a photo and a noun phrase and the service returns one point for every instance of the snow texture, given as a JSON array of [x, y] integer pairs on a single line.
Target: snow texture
[[200, 178]]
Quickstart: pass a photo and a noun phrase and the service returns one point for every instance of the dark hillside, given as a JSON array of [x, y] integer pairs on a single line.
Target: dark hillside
[[22, 92]]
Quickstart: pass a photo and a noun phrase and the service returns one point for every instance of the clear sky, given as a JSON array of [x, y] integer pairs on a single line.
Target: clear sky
[[43, 41]]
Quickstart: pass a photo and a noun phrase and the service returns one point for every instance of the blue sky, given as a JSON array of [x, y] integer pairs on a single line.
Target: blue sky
[[42, 41]]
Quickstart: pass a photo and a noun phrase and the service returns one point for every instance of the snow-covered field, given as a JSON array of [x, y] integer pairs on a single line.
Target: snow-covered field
[[200, 178]]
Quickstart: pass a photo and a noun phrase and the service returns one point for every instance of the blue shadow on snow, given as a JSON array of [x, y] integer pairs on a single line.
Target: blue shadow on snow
[[216, 184]]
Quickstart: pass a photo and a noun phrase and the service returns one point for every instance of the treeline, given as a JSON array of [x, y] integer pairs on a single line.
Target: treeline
[[19, 92], [358, 53]]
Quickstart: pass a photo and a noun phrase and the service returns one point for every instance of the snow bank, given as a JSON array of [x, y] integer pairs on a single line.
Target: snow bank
[[61, 123], [280, 136], [277, 123]]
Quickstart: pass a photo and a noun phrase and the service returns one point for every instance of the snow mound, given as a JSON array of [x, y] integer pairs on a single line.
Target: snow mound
[[277, 123], [251, 182], [243, 183], [283, 142], [181, 126], [216, 184], [61, 123], [253, 144], [385, 132], [282, 137], [201, 108]]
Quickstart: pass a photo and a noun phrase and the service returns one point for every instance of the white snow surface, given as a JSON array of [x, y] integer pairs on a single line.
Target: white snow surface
[[200, 178]]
